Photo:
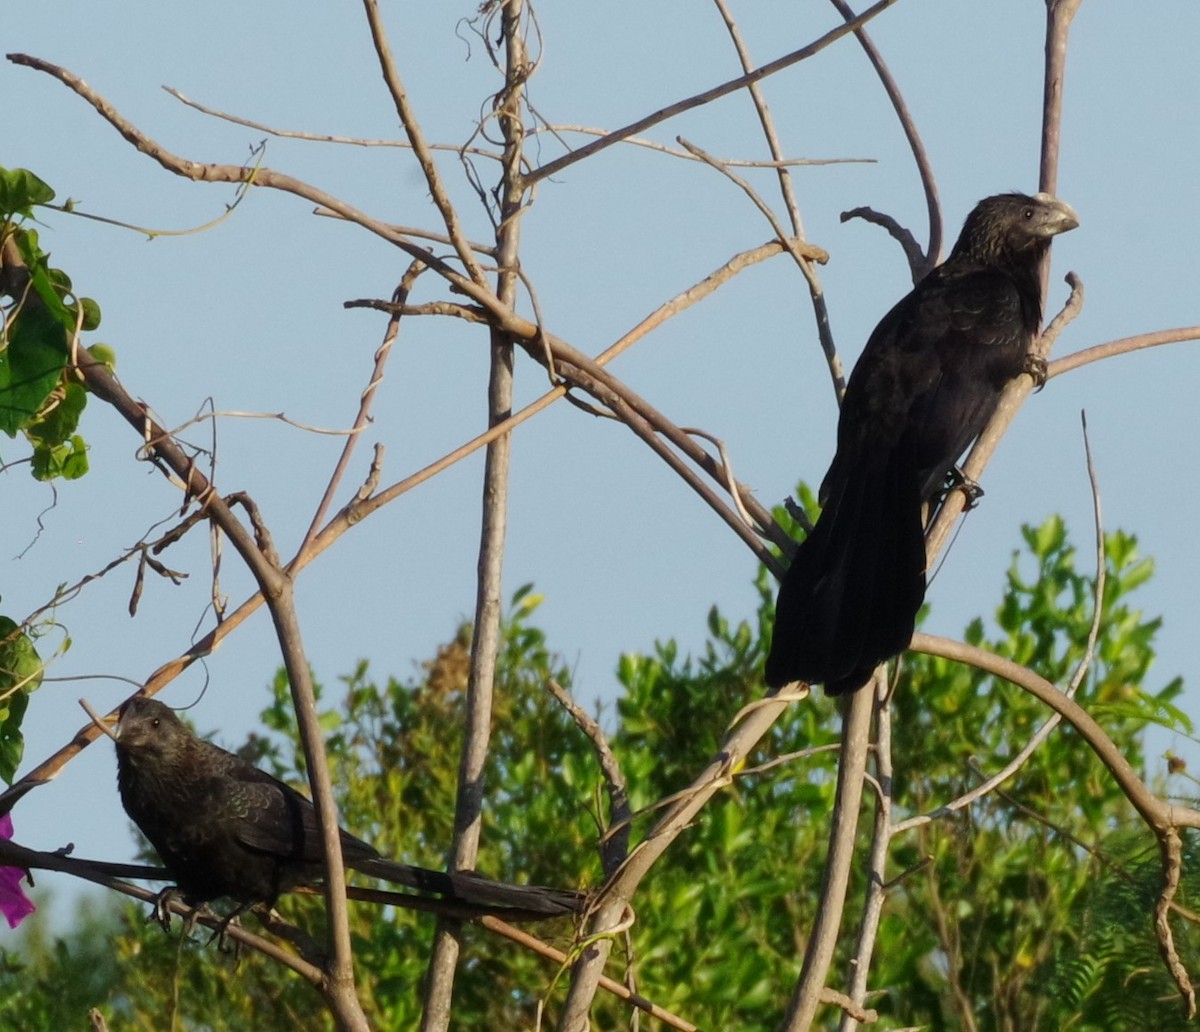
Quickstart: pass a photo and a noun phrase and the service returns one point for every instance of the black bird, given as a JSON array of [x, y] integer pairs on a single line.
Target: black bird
[[224, 828], [925, 386]]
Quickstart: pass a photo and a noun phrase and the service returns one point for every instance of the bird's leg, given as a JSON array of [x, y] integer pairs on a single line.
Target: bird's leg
[[1036, 367], [161, 911], [189, 922], [971, 489], [218, 934]]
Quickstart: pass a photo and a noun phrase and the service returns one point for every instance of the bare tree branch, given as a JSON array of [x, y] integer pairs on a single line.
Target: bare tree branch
[[877, 886], [1124, 346], [363, 418], [294, 134], [662, 148], [416, 137], [924, 168], [612, 901], [486, 631], [816, 291], [918, 263], [700, 99], [823, 936]]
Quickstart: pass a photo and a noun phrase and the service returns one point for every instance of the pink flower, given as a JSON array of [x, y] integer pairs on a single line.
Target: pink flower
[[14, 904]]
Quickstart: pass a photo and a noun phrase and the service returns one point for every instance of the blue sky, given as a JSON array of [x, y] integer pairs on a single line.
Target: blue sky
[[250, 314]]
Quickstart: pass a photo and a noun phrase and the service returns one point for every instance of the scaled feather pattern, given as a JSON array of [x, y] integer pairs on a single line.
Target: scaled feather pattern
[[224, 828]]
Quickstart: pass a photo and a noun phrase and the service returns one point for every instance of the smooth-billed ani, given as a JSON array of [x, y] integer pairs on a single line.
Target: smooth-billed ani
[[925, 386], [224, 828]]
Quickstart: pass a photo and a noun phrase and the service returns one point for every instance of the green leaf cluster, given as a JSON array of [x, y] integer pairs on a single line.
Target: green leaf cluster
[[20, 674], [38, 399]]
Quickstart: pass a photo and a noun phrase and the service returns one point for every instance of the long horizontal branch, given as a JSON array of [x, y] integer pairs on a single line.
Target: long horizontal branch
[[1123, 346], [662, 148], [13, 854]]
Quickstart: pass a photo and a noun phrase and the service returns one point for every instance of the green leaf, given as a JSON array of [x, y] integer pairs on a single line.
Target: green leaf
[[20, 665], [12, 742], [20, 190], [57, 425], [20, 674], [68, 460], [30, 366]]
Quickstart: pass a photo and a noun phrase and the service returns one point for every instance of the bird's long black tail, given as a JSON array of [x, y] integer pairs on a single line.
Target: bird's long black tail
[[850, 598], [512, 901]]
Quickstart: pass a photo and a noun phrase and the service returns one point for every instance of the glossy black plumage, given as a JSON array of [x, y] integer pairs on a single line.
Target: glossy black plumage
[[925, 386], [224, 828]]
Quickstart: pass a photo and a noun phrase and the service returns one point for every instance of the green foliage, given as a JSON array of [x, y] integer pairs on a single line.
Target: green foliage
[[20, 674], [999, 911], [996, 910], [38, 397], [53, 983], [1116, 978], [21, 191]]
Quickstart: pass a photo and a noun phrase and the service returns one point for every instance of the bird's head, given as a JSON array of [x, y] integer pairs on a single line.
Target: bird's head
[[147, 727], [1014, 226]]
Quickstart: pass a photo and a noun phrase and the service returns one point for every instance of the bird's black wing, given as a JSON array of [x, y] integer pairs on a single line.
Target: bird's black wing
[[976, 325], [277, 820], [926, 383]]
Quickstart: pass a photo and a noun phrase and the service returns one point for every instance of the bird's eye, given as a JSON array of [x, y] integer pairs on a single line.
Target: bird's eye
[[154, 722], [1028, 213]]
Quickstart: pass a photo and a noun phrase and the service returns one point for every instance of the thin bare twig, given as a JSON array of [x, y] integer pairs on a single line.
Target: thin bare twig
[[815, 290], [412, 129], [294, 134], [1171, 848], [1070, 309], [924, 168], [918, 262], [614, 848], [101, 724], [662, 148], [363, 418], [700, 99], [412, 231], [731, 484], [800, 250]]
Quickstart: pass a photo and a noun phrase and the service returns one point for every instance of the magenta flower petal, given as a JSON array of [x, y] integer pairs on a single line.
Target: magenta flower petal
[[14, 904]]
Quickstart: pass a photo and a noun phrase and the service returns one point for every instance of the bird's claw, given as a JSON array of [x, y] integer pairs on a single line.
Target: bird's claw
[[1037, 369], [161, 911], [971, 489], [218, 935]]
